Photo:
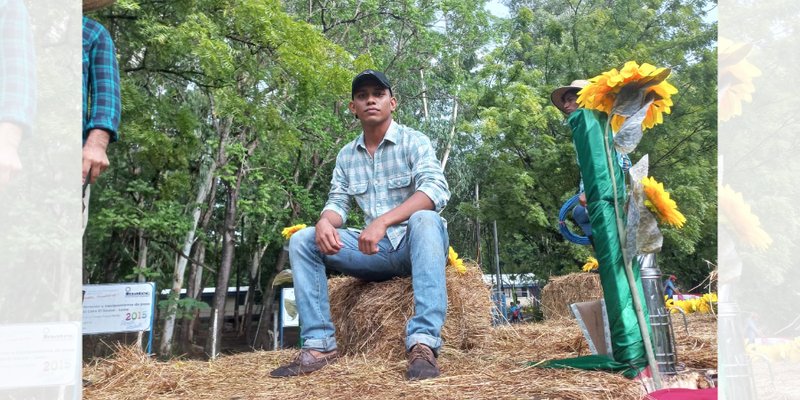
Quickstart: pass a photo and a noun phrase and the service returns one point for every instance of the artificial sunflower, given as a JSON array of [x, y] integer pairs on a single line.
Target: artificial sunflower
[[454, 261], [289, 231], [591, 264], [736, 75], [602, 91], [736, 212], [660, 204]]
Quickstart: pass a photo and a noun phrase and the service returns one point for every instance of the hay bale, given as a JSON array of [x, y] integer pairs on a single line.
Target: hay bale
[[562, 291], [370, 317]]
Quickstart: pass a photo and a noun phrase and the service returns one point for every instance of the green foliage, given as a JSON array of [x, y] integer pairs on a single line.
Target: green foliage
[[265, 84], [184, 307]]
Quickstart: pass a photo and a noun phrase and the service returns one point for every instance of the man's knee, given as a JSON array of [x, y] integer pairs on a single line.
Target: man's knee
[[301, 239], [425, 217]]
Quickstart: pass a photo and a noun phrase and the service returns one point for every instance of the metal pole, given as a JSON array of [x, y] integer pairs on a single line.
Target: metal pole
[[214, 337], [500, 296], [497, 256], [477, 225]]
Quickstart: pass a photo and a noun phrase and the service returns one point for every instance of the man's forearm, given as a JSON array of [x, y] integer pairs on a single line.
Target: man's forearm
[[332, 217], [417, 202]]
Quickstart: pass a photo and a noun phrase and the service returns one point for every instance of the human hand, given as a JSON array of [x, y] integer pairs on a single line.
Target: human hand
[[10, 136], [369, 238], [94, 154], [582, 199], [327, 237]]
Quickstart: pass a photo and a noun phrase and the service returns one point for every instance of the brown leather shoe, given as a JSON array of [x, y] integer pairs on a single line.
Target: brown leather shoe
[[421, 363], [305, 363]]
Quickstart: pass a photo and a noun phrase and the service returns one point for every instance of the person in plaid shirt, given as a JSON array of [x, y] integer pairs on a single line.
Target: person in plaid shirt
[[392, 172], [17, 85], [101, 98]]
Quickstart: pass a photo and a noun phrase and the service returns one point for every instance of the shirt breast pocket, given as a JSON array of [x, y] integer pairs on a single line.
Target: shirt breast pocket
[[399, 182], [357, 188]]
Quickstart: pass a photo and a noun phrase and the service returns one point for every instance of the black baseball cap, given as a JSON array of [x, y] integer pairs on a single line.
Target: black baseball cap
[[370, 75]]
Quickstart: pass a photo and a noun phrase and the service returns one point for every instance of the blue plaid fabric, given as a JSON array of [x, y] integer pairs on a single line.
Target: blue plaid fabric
[[101, 98], [17, 79], [404, 163]]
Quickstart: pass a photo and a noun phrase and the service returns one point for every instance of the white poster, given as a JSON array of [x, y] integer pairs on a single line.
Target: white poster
[[119, 307], [36, 355], [289, 314]]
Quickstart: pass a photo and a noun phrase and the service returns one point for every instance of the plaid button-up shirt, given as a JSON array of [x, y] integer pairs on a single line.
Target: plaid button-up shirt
[[403, 164], [17, 78], [101, 98]]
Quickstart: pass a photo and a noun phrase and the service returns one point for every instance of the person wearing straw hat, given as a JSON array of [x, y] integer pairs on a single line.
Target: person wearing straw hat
[[392, 172], [102, 105], [565, 98]]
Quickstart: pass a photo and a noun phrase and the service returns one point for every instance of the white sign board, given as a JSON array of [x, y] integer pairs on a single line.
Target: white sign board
[[119, 307], [289, 314], [35, 355]]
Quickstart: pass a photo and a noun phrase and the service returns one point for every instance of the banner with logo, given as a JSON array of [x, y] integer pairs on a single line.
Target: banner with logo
[[119, 307]]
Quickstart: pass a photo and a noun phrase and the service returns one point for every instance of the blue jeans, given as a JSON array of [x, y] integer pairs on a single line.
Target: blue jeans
[[422, 254], [581, 218]]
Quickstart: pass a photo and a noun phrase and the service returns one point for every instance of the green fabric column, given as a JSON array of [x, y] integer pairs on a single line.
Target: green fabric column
[[626, 340], [588, 136]]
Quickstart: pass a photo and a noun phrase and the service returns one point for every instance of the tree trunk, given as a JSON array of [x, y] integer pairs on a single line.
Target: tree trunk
[[452, 136], [141, 264], [223, 274], [251, 291], [193, 290], [424, 94], [265, 320], [226, 262], [168, 330]]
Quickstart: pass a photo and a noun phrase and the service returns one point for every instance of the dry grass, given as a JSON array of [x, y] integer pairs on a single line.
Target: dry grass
[[562, 291], [494, 370]]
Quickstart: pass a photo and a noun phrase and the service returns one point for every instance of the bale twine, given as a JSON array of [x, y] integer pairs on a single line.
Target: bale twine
[[562, 291], [371, 317]]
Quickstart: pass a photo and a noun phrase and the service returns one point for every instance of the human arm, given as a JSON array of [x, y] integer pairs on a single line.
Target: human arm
[[104, 108], [431, 192], [95, 159], [334, 214], [375, 231], [17, 85], [10, 136], [326, 235]]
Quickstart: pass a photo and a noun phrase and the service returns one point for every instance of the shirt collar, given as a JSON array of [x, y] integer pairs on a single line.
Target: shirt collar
[[391, 136]]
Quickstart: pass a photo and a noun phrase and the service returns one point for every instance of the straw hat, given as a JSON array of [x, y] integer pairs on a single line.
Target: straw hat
[[557, 97], [92, 5]]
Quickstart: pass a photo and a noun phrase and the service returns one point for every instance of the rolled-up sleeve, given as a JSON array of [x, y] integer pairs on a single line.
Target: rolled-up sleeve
[[17, 69], [338, 197], [428, 174], [105, 105]]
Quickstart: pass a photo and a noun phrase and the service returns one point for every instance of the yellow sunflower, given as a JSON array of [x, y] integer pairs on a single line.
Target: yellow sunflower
[[736, 212], [454, 261], [603, 89], [591, 264], [660, 204], [736, 75], [289, 231]]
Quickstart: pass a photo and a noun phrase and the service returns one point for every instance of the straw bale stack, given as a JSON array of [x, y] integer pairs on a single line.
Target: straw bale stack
[[370, 317], [562, 291]]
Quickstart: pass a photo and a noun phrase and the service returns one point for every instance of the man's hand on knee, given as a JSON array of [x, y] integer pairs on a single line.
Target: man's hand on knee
[[369, 238], [327, 238]]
